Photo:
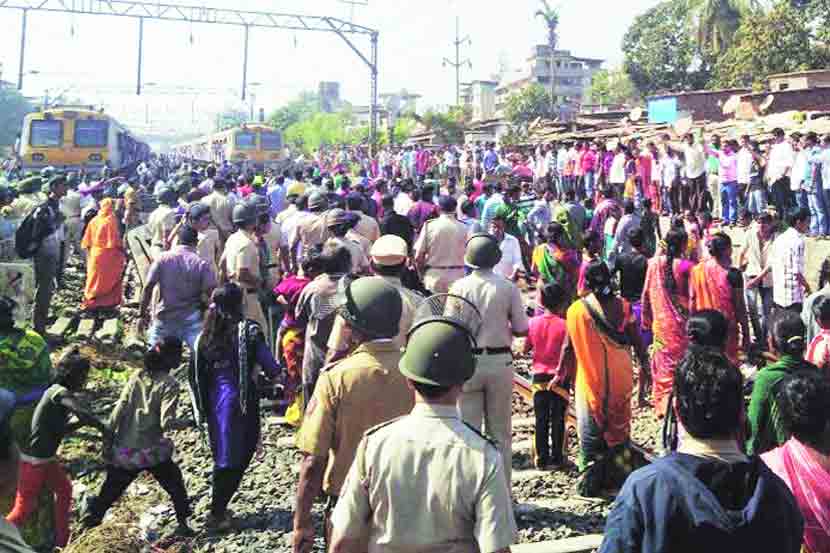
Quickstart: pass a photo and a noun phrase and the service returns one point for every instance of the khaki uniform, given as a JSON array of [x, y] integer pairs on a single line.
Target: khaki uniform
[[486, 396], [367, 227], [340, 337], [311, 231], [24, 204], [361, 391], [360, 262], [440, 251], [242, 252], [426, 482], [221, 213], [162, 220]]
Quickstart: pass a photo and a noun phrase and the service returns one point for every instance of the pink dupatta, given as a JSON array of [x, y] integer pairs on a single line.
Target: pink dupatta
[[809, 481], [667, 317]]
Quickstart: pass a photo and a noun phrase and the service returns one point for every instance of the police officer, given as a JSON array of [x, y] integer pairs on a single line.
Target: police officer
[[439, 251], [240, 262], [311, 228], [268, 240], [339, 223], [162, 220], [359, 392], [51, 255], [427, 481], [487, 396]]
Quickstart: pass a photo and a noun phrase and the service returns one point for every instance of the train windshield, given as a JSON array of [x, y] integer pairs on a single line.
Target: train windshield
[[46, 134], [91, 133], [246, 140], [271, 140]]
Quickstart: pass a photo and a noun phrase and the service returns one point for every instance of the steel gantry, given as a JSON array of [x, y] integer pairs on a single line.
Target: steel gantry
[[216, 16]]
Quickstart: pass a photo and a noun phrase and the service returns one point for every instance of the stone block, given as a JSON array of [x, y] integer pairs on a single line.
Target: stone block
[[109, 331], [57, 331], [85, 328]]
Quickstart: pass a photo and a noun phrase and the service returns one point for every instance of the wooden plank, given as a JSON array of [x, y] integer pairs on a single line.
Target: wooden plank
[[579, 544], [138, 244]]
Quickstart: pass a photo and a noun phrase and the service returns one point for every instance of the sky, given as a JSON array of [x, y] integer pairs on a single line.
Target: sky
[[197, 69]]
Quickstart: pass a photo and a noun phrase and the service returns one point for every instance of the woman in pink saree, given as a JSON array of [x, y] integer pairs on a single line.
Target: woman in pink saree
[[803, 462], [665, 311], [714, 284]]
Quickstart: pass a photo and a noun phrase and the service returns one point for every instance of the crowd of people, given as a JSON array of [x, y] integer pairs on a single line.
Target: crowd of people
[[386, 297]]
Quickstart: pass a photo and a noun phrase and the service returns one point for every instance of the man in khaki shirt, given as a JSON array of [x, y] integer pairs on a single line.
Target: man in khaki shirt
[[363, 390], [162, 220], [366, 226], [339, 223], [427, 481], [487, 395], [439, 250], [221, 209], [388, 260], [311, 229], [240, 262]]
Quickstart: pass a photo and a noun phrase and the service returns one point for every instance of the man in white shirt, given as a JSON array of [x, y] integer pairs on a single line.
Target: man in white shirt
[[787, 262], [779, 165], [744, 166], [511, 252], [798, 191], [695, 173]]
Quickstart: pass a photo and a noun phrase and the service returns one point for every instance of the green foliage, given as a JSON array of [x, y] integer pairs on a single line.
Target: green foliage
[[660, 52], [303, 107], [448, 127], [717, 21], [529, 104], [13, 107], [776, 42], [317, 130], [612, 86]]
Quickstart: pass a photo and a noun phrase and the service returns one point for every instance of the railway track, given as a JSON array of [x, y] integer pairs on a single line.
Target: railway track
[[525, 390]]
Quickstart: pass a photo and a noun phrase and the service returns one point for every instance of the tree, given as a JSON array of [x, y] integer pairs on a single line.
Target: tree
[[448, 127], [660, 54], [304, 106], [13, 107], [551, 17], [528, 105], [612, 86], [717, 21], [780, 41]]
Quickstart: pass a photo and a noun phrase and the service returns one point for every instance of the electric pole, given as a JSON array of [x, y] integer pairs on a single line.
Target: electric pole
[[458, 63]]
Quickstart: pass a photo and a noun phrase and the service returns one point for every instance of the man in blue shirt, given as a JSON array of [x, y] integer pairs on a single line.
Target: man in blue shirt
[[707, 495], [491, 160], [276, 195]]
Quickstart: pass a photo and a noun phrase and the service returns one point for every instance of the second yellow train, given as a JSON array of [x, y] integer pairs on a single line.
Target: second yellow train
[[251, 143]]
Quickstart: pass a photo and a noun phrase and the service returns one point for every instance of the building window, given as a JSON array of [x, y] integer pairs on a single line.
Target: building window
[[783, 86]]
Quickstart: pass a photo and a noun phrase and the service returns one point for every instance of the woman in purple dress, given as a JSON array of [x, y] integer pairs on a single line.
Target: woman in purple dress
[[227, 352]]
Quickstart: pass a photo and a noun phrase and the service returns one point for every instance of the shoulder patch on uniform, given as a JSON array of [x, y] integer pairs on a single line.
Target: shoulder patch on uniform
[[382, 425], [484, 436]]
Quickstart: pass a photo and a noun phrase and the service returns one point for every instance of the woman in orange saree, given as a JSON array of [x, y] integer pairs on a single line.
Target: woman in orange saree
[[666, 311], [714, 284], [105, 268]]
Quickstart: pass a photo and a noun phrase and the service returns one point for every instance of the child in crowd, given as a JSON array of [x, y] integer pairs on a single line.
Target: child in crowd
[[39, 466], [553, 368], [818, 352], [145, 409]]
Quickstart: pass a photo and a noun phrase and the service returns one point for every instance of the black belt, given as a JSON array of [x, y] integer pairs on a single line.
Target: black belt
[[445, 267], [491, 351], [251, 291]]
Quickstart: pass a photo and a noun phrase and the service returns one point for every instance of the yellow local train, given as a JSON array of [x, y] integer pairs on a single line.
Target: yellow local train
[[251, 143], [78, 138]]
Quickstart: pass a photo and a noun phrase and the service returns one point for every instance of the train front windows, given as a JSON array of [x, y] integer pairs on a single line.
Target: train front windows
[[91, 133], [271, 140], [246, 140], [46, 134]]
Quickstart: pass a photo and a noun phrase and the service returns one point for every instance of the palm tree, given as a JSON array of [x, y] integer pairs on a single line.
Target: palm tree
[[716, 21], [551, 17]]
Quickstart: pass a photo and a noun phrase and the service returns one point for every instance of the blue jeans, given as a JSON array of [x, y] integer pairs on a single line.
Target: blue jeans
[[759, 305], [729, 202], [589, 184], [818, 215], [801, 199], [187, 329], [756, 200]]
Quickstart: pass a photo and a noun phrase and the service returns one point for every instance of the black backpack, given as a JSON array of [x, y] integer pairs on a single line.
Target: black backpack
[[26, 239]]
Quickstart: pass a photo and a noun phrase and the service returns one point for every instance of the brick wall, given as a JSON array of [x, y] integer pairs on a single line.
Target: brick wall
[[705, 106], [811, 99]]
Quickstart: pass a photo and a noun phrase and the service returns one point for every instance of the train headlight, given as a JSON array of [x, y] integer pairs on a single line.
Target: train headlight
[[38, 157], [95, 157]]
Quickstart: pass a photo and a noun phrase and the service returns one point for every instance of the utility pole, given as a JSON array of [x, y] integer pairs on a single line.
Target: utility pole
[[458, 63]]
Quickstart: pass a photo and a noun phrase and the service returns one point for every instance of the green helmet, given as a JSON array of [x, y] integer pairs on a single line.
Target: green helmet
[[438, 353], [244, 214], [483, 251], [47, 172], [260, 203], [373, 306]]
